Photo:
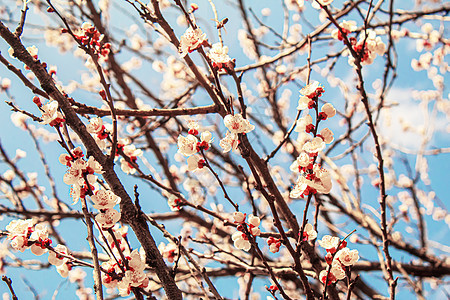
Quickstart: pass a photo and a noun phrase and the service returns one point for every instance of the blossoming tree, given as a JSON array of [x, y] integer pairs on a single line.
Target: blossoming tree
[[166, 159]]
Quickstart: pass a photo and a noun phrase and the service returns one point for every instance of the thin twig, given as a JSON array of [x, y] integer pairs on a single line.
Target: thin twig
[[8, 281]]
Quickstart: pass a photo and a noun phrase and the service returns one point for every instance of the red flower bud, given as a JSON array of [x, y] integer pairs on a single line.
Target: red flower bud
[[323, 116], [37, 101], [102, 94]]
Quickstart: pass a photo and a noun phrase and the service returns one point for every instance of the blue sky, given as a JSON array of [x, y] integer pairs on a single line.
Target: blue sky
[[12, 138]]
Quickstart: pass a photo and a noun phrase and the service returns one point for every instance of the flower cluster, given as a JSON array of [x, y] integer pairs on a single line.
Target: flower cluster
[[81, 173], [58, 258], [131, 152], [168, 251], [190, 145], [309, 233], [98, 130], [235, 124], [367, 47], [229, 142], [274, 244], [339, 257], [347, 27], [174, 202], [309, 95], [120, 233], [104, 201], [313, 178], [432, 38], [50, 113], [218, 55], [240, 238], [125, 277], [91, 38], [24, 234], [191, 40]]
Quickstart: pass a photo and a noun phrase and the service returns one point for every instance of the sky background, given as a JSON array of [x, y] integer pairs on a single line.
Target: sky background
[[12, 138]]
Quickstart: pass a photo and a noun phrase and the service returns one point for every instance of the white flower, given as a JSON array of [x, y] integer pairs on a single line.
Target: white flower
[[329, 110], [174, 202], [241, 241], [327, 135], [191, 40], [108, 218], [193, 125], [19, 242], [65, 159], [322, 183], [323, 277], [63, 270], [103, 199], [274, 244], [168, 251], [195, 163], [132, 152], [18, 231], [94, 166], [6, 83], [9, 175], [119, 233], [254, 222], [346, 26], [95, 126], [373, 46], [75, 174], [11, 52], [347, 257], [33, 50], [124, 285], [309, 233], [329, 242], [316, 3], [55, 259], [77, 275], [239, 217], [300, 187], [86, 26], [51, 115], [39, 235], [274, 247], [229, 142], [337, 270], [126, 166], [135, 261], [303, 122], [219, 57], [303, 103], [206, 136], [316, 145], [336, 273], [16, 227], [237, 124], [303, 160], [107, 280], [311, 90], [187, 145]]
